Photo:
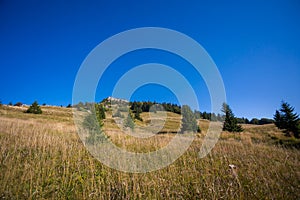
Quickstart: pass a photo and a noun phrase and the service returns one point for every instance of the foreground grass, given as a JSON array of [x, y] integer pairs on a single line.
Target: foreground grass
[[43, 158]]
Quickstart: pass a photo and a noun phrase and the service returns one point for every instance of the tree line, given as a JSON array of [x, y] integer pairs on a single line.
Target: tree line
[[285, 118]]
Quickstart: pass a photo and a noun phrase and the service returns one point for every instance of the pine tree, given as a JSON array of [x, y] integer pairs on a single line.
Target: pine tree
[[287, 120], [230, 123], [100, 111], [94, 128], [278, 120], [188, 122], [129, 122], [118, 114], [34, 108]]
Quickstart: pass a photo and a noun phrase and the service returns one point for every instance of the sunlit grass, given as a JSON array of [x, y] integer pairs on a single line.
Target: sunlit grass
[[41, 157]]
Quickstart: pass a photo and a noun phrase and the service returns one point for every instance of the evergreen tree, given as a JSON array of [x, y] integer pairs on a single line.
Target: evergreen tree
[[197, 114], [254, 121], [100, 111], [18, 104], [230, 123], [129, 122], [188, 122], [118, 114], [278, 120], [94, 127], [287, 120], [138, 116], [205, 115], [34, 108]]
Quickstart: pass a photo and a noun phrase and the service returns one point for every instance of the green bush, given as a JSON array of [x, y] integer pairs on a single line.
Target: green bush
[[34, 108], [18, 104]]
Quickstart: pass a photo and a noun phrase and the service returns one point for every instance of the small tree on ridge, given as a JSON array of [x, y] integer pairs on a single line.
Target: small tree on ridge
[[34, 108], [230, 123]]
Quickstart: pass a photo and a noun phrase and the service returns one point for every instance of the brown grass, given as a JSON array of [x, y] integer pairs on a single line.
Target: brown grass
[[41, 157]]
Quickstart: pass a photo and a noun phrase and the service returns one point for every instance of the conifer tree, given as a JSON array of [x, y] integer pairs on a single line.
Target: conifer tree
[[100, 111], [94, 128], [129, 122], [34, 108], [189, 122], [230, 123], [287, 120]]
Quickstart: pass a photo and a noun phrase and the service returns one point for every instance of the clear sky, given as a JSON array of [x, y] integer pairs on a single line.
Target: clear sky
[[255, 45]]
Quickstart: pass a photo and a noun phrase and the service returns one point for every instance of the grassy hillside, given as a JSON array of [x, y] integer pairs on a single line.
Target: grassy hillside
[[41, 157]]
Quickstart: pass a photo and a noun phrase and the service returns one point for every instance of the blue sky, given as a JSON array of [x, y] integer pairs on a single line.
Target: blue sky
[[255, 45]]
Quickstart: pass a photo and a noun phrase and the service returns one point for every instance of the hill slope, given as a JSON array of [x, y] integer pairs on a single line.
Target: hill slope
[[41, 157]]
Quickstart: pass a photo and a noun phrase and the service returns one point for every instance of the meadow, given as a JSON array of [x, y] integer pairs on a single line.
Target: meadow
[[42, 157]]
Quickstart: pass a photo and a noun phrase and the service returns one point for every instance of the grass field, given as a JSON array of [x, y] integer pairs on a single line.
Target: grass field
[[42, 157]]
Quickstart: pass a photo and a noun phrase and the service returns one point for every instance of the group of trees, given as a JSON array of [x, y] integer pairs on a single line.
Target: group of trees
[[255, 121], [219, 117], [189, 122], [285, 118], [209, 116], [137, 107], [145, 106]]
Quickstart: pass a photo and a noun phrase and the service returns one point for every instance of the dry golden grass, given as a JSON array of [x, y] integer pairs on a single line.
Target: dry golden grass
[[41, 157]]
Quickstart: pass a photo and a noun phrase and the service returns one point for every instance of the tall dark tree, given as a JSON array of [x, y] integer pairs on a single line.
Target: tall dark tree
[[189, 122], [34, 108], [100, 111], [287, 120], [129, 122], [94, 127], [230, 123]]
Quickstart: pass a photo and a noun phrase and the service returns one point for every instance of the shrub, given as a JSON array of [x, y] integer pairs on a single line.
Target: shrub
[[34, 108], [18, 104]]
